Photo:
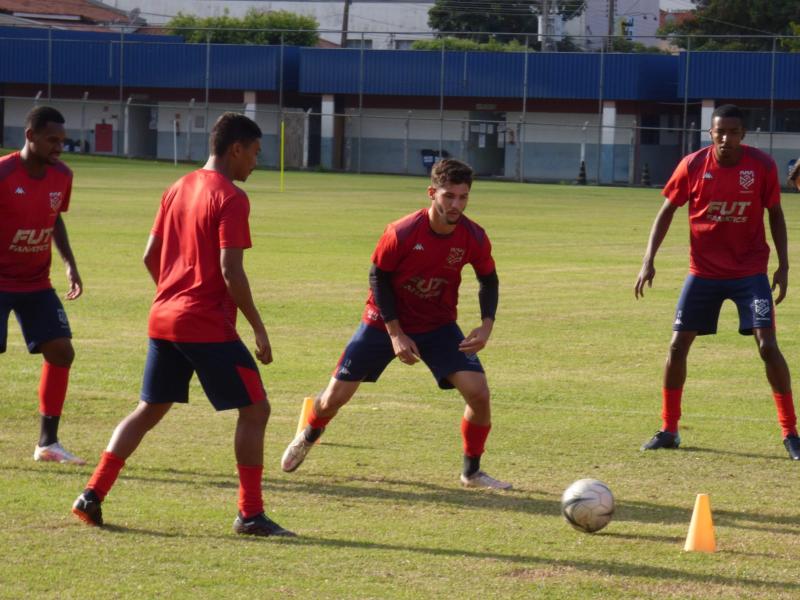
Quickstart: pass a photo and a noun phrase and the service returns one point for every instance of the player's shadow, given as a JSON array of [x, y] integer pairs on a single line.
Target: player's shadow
[[701, 450], [521, 559]]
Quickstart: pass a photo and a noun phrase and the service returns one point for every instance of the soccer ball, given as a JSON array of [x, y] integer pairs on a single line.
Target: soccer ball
[[587, 505]]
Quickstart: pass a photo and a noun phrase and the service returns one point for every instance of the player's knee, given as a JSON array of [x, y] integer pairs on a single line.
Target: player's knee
[[478, 397], [60, 353], [679, 347], [768, 351]]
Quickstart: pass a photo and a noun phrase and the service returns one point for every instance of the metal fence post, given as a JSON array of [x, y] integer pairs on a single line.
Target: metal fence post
[[441, 102], [772, 95], [49, 62], [521, 136], [685, 144], [600, 92]]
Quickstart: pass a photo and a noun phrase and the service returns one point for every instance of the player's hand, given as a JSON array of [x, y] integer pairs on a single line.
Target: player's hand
[[780, 280], [475, 341], [646, 275], [75, 283], [405, 349], [263, 348]]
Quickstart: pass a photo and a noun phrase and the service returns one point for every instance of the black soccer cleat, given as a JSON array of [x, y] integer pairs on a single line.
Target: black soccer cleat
[[87, 509], [792, 445], [260, 525], [662, 439]]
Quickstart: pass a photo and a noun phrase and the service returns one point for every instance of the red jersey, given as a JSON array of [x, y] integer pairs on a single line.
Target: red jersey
[[29, 208], [426, 269], [726, 211], [199, 215]]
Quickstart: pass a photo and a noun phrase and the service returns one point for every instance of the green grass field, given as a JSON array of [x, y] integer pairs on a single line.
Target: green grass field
[[574, 364]]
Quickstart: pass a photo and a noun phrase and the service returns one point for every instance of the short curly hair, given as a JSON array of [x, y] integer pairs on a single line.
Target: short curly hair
[[449, 171]]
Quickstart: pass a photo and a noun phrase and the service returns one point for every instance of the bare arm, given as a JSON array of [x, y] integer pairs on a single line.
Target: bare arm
[[61, 240], [152, 257], [657, 234], [232, 264], [777, 226]]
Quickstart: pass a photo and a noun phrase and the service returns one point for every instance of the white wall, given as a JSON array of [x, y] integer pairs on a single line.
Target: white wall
[[594, 21], [567, 128], [391, 123]]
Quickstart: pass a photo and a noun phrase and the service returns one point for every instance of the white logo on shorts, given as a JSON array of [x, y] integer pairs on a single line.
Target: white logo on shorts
[[62, 317], [678, 318], [762, 308]]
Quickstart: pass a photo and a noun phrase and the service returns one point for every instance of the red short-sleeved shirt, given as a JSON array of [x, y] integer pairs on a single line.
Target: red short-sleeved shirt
[[29, 208], [426, 269], [726, 211], [199, 215]]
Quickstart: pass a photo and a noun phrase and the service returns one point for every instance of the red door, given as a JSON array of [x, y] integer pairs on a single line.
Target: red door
[[103, 138]]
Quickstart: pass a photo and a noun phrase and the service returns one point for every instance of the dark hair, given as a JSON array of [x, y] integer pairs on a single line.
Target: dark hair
[[231, 128], [40, 116], [728, 111], [450, 171]]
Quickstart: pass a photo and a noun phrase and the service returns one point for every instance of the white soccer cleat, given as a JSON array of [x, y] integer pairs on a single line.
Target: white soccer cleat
[[482, 480], [56, 453], [295, 453]]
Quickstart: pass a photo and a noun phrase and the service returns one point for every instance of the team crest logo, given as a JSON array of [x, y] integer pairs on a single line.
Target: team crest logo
[[762, 306], [456, 256], [747, 179], [55, 200]]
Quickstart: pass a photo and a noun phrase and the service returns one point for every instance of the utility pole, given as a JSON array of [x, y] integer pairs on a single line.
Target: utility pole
[[345, 23], [611, 10], [545, 32]]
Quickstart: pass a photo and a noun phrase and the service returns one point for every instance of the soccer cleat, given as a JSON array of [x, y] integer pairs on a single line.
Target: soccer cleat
[[55, 452], [87, 509], [792, 445], [662, 439], [296, 452], [482, 480], [260, 525]]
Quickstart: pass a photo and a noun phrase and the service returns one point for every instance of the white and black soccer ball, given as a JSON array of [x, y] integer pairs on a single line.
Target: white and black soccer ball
[[587, 505]]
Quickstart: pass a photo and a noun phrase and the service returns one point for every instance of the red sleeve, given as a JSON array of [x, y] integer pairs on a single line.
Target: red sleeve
[[158, 226], [772, 188], [234, 229], [387, 253], [483, 263], [67, 195], [677, 188]]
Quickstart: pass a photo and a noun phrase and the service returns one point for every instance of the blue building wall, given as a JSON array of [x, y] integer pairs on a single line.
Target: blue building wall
[[487, 74], [739, 75]]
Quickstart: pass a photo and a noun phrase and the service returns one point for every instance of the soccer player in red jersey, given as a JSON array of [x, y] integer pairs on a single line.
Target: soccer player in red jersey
[[794, 176], [727, 186], [195, 256], [35, 188], [411, 314]]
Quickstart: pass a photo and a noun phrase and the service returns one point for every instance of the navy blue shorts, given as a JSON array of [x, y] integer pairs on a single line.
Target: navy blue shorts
[[226, 371], [701, 299], [40, 315], [370, 350]]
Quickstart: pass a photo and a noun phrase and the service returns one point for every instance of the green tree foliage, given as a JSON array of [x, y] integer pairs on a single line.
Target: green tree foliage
[[492, 45], [256, 27], [737, 19], [470, 19]]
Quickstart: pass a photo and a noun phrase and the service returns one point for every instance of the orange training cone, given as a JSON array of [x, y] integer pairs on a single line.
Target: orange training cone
[[701, 529], [308, 404]]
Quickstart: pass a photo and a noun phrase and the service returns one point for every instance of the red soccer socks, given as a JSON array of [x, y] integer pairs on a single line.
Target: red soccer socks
[[52, 389], [251, 502], [786, 416], [105, 474], [670, 409]]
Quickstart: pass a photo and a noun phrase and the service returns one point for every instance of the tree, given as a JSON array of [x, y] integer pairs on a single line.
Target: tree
[[256, 27], [469, 19], [736, 19]]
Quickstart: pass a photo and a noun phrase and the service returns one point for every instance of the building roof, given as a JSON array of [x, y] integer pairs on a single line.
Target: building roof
[[76, 14]]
